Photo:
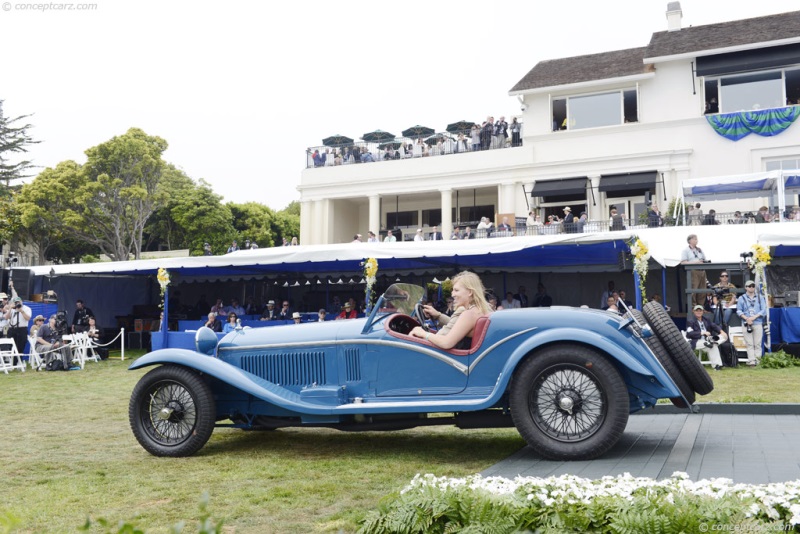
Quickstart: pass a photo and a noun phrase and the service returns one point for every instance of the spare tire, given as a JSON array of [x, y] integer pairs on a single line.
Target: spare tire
[[680, 350], [666, 361]]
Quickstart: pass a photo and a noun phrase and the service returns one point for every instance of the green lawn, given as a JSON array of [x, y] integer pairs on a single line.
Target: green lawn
[[67, 453]]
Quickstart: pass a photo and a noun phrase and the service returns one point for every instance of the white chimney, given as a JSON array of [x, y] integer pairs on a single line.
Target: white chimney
[[674, 16]]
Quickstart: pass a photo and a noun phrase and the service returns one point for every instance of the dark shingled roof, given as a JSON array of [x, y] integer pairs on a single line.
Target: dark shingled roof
[[569, 70], [693, 39], [725, 34]]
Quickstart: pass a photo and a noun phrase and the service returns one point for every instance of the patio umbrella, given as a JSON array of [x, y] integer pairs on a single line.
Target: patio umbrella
[[436, 138], [417, 131], [394, 144], [460, 127], [337, 140], [378, 136]]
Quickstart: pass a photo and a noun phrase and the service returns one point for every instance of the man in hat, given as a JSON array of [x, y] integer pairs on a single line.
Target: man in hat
[[269, 313], [419, 236], [321, 315], [752, 309], [233, 248], [705, 336], [38, 321], [4, 307], [18, 315], [296, 318], [569, 221]]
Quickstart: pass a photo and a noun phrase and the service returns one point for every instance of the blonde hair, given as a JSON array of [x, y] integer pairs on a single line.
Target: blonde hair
[[473, 284]]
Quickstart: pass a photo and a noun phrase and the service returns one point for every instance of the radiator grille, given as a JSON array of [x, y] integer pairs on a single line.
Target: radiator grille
[[352, 362], [302, 368]]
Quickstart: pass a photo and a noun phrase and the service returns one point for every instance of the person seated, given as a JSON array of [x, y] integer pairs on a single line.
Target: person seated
[[611, 305], [230, 326], [38, 321], [94, 330], [469, 293], [213, 323], [348, 312], [705, 336], [49, 342], [297, 318], [269, 314]]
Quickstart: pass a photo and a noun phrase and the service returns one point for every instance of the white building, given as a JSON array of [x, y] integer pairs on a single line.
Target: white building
[[600, 130]]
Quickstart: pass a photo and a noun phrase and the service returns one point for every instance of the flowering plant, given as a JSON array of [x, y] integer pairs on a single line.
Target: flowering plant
[[569, 503], [370, 272], [760, 259], [641, 257], [163, 282]]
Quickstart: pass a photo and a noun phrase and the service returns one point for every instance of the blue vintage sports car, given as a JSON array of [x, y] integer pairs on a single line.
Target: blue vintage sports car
[[566, 378]]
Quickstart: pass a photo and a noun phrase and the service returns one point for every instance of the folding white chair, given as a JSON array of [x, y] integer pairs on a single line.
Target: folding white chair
[[9, 353], [88, 345], [34, 359]]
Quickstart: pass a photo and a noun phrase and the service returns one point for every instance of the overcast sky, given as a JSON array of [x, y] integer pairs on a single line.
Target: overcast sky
[[240, 89]]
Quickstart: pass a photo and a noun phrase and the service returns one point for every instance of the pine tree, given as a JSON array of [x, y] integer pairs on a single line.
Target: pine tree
[[14, 140]]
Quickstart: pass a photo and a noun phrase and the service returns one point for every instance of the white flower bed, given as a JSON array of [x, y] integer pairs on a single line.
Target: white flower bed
[[761, 500]]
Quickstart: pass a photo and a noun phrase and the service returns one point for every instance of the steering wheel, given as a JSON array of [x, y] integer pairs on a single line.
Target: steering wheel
[[420, 313]]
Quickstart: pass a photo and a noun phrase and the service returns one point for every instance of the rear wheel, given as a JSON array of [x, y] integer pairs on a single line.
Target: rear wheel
[[569, 403], [680, 350], [172, 411], [666, 361]]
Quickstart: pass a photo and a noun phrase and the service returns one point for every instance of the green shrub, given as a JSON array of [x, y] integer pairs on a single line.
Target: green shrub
[[779, 360]]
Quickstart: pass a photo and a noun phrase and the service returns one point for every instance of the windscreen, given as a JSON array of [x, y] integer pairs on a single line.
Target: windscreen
[[401, 298]]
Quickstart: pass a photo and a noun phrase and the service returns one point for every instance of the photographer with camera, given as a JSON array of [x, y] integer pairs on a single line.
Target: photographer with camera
[[724, 299], [752, 309], [705, 336], [48, 341], [18, 315], [80, 321]]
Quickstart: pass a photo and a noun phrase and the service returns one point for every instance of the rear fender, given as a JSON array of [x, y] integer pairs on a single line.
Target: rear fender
[[650, 378]]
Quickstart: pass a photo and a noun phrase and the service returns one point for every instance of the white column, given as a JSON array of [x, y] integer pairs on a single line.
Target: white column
[[505, 199], [306, 222], [446, 225], [374, 214]]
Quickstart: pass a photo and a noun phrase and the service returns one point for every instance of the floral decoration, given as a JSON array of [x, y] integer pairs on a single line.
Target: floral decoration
[[163, 282], [370, 274], [641, 258], [760, 259]]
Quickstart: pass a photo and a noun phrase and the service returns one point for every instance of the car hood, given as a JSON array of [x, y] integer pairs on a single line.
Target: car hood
[[293, 333]]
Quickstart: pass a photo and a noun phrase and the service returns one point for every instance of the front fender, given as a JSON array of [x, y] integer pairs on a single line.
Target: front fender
[[242, 380]]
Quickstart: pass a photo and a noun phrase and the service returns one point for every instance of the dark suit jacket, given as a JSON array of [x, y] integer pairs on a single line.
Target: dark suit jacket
[[694, 336], [437, 234]]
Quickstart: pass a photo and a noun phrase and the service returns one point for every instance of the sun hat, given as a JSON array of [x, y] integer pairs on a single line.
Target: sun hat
[[323, 311], [346, 305], [38, 318], [296, 315], [749, 283], [567, 208], [272, 302], [698, 307], [3, 296]]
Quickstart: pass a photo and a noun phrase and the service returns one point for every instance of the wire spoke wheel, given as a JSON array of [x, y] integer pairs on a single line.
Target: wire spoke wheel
[[567, 404], [172, 411]]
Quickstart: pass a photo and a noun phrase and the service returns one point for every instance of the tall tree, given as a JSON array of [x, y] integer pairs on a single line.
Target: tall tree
[[14, 140], [253, 221], [120, 194]]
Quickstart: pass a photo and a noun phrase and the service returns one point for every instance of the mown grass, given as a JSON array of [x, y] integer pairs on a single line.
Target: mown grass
[[67, 452], [746, 384]]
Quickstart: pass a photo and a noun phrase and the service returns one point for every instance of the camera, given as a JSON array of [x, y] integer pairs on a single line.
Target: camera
[[745, 255], [749, 328], [18, 305], [718, 291]]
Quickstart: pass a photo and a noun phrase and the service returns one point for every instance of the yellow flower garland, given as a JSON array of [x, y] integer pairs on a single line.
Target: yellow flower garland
[[641, 258]]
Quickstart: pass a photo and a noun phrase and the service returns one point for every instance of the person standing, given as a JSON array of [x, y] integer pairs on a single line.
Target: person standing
[[752, 309], [694, 255], [18, 315], [500, 133], [515, 132]]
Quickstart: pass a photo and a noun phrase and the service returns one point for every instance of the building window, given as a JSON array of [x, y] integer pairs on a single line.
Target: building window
[[782, 165], [594, 111], [400, 219], [471, 214], [753, 91]]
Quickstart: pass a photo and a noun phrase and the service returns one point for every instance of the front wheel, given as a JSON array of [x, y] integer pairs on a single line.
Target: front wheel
[[569, 403], [172, 411]]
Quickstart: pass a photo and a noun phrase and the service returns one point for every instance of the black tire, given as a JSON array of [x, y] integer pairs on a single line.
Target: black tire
[[172, 411], [678, 348], [666, 361], [569, 403]]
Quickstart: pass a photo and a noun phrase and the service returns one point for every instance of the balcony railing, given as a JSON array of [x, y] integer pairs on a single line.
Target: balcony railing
[[399, 149]]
